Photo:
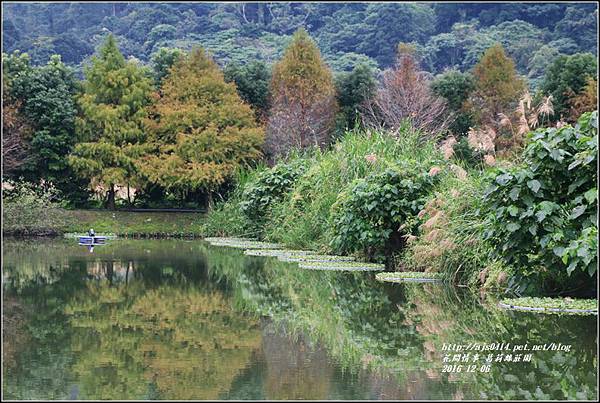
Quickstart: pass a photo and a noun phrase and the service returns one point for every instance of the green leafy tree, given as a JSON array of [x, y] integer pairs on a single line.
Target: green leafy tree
[[231, 30], [520, 40], [353, 89], [14, 64], [406, 22], [201, 131], [113, 108], [252, 83], [540, 61], [346, 62], [46, 97], [303, 103], [162, 60], [566, 46], [456, 87], [448, 49], [566, 78], [580, 24], [161, 32]]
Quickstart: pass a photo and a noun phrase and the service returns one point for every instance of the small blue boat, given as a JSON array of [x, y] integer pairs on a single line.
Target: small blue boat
[[92, 240]]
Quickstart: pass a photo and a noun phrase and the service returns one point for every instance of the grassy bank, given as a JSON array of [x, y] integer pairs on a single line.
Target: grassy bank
[[121, 223], [136, 224]]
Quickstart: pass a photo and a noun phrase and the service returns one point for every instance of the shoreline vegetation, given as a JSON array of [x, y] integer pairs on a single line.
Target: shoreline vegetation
[[399, 202], [121, 223], [383, 178]]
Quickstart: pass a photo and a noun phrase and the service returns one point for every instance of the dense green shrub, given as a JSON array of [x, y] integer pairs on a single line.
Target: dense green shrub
[[455, 87], [353, 89], [567, 77], [30, 209], [269, 188], [541, 215], [372, 214], [252, 83], [227, 218], [582, 252]]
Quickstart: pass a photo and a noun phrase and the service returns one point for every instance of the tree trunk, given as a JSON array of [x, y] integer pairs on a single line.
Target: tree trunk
[[128, 196], [110, 271], [110, 202], [209, 201], [129, 266]]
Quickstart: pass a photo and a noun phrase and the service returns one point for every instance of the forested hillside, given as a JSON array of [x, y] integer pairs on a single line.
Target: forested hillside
[[446, 35]]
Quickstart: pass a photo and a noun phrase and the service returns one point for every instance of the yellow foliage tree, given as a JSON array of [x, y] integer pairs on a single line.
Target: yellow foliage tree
[[200, 129]]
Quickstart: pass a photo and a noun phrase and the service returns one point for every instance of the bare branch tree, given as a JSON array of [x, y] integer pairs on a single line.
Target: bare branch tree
[[299, 124], [404, 95], [14, 133]]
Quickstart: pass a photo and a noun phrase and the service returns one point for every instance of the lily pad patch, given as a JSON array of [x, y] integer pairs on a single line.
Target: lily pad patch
[[341, 266], [315, 258], [242, 243], [409, 276], [551, 305], [278, 252]]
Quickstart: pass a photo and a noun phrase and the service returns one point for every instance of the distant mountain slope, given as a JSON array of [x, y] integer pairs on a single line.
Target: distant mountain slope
[[448, 35]]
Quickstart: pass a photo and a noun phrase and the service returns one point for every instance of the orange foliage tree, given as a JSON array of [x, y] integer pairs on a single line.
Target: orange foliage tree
[[498, 88], [585, 101], [303, 104]]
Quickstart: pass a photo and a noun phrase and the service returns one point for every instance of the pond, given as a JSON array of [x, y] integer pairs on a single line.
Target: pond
[[175, 319]]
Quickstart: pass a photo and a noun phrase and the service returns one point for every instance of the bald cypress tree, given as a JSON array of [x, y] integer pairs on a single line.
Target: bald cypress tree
[[112, 112], [497, 86], [303, 104], [201, 131]]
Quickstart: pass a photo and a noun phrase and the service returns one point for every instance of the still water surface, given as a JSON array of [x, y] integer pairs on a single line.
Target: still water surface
[[171, 319]]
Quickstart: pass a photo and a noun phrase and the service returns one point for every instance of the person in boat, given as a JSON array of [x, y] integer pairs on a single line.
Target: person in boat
[[91, 234]]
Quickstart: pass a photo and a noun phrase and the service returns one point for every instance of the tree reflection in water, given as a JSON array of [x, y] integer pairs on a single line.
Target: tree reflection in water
[[181, 320]]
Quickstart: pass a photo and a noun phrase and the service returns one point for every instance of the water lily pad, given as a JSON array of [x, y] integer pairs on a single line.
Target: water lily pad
[[551, 305], [342, 266], [225, 239], [278, 252], [315, 258], [409, 276], [241, 243]]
